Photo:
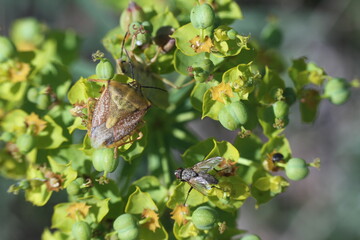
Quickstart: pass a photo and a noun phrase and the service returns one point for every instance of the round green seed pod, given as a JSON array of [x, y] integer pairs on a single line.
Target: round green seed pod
[[32, 94], [337, 90], [104, 69], [42, 101], [204, 218], [233, 115], [74, 187], [81, 231], [25, 143], [250, 237], [7, 49], [202, 16], [126, 226], [296, 169], [281, 109], [109, 161], [103, 158]]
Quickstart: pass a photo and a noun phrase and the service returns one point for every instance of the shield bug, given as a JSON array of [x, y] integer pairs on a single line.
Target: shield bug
[[117, 114], [198, 177]]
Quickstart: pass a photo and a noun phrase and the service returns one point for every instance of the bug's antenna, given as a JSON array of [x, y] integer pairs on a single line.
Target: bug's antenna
[[164, 90], [127, 54], [123, 44]]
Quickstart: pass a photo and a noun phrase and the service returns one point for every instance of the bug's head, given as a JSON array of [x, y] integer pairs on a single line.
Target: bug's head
[[178, 173], [277, 157]]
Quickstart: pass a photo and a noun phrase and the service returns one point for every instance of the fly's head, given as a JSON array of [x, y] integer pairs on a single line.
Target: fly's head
[[178, 173]]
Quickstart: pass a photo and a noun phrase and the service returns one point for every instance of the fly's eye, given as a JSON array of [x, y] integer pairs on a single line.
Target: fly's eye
[[178, 173]]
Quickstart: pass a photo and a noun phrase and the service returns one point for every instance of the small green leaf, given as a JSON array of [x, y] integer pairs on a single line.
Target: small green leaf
[[138, 201], [64, 169], [160, 233], [242, 80], [211, 108], [82, 90], [133, 150], [231, 194], [266, 119], [77, 124], [60, 220], [182, 37], [14, 121], [309, 104], [180, 193], [198, 152], [226, 46], [197, 94], [37, 194], [228, 11], [151, 185], [163, 19], [52, 136], [271, 82]]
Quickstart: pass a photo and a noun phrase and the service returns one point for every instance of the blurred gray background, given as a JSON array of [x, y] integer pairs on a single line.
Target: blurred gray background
[[326, 205]]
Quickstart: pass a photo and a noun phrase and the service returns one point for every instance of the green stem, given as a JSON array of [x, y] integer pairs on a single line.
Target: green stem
[[164, 160], [202, 34], [248, 162]]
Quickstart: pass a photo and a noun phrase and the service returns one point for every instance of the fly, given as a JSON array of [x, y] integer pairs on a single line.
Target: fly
[[198, 177]]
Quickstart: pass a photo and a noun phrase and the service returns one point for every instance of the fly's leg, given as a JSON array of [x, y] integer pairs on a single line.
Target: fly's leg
[[187, 196]]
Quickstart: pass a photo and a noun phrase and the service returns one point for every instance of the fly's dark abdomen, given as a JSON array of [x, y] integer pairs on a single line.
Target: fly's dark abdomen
[[209, 178]]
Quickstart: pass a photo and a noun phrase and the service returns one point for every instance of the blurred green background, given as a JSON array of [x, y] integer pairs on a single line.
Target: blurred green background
[[326, 205]]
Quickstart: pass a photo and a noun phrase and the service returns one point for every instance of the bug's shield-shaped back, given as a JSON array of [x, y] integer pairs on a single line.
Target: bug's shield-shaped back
[[117, 114]]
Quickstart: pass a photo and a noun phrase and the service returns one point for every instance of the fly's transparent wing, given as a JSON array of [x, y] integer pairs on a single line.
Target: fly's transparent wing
[[206, 165], [200, 184]]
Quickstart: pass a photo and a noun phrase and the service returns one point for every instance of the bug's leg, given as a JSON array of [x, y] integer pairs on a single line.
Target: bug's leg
[[215, 187], [129, 141], [187, 196], [115, 152]]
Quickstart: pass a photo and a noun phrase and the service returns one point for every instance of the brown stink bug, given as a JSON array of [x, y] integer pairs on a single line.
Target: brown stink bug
[[117, 114]]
